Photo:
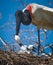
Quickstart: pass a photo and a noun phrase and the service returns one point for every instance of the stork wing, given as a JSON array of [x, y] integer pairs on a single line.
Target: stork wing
[[44, 18], [48, 11], [48, 15]]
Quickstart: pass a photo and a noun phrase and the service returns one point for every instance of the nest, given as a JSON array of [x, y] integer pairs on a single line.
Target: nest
[[13, 58]]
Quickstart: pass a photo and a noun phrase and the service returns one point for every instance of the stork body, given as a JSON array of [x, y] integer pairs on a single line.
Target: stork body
[[39, 15], [42, 16]]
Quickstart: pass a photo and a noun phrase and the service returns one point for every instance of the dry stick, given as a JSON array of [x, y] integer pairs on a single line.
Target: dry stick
[[4, 43]]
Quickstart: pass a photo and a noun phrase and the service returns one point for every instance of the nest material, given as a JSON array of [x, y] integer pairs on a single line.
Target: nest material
[[13, 58]]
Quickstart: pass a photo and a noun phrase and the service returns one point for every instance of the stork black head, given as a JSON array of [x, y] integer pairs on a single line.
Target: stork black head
[[26, 18], [22, 17]]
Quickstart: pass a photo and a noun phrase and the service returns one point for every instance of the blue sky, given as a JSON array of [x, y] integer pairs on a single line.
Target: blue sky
[[7, 22]]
